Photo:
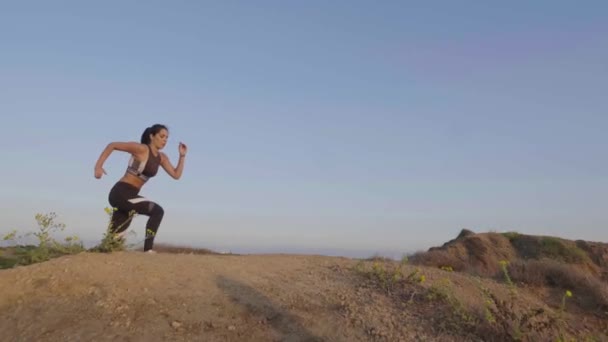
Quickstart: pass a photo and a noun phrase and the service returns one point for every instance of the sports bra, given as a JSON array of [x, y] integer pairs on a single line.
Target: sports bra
[[144, 169]]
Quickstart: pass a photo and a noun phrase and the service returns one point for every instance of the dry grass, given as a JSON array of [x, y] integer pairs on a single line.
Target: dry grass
[[377, 257], [481, 254], [591, 292], [535, 269], [478, 254], [439, 258], [460, 305], [167, 248]]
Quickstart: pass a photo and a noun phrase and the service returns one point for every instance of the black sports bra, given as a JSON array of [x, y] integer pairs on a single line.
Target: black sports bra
[[145, 169]]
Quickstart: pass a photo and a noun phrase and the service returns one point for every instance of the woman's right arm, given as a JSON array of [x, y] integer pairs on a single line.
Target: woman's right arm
[[132, 147]]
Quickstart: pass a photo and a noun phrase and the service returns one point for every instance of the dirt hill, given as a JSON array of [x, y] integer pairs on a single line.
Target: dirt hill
[[135, 296], [482, 253]]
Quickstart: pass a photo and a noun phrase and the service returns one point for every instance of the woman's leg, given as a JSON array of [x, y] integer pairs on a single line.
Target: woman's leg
[[125, 199], [155, 215], [121, 220]]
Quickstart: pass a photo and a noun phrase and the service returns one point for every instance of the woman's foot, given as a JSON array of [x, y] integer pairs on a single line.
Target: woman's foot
[[151, 251]]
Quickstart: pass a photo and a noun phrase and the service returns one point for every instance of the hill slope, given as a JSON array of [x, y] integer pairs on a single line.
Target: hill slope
[[132, 296], [136, 296], [483, 252]]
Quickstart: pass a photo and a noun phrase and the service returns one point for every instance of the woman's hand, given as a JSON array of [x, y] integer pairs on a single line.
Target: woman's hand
[[182, 149], [99, 171]]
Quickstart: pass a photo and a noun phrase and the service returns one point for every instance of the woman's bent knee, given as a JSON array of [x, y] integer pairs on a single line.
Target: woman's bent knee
[[158, 211]]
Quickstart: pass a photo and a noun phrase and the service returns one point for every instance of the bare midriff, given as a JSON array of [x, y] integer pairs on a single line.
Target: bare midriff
[[133, 180]]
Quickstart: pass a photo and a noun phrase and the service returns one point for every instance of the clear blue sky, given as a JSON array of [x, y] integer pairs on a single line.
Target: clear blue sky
[[345, 127]]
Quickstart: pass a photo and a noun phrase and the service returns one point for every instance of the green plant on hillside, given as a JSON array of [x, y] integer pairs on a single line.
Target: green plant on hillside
[[567, 294], [388, 274], [7, 262], [511, 235], [556, 249], [561, 320], [113, 242], [505, 271], [388, 278], [10, 236], [460, 319], [46, 248], [416, 276], [447, 268], [488, 303]]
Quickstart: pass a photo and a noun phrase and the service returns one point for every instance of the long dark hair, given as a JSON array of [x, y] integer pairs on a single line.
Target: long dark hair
[[154, 129]]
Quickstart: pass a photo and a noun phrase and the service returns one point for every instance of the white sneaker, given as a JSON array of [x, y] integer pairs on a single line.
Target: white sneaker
[[151, 251]]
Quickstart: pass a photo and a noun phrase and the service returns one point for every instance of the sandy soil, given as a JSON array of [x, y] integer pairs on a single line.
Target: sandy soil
[[134, 296]]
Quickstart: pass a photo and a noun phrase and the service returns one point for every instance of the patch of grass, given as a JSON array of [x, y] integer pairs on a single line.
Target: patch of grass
[[511, 235], [556, 249], [6, 262], [166, 248], [388, 274], [46, 247]]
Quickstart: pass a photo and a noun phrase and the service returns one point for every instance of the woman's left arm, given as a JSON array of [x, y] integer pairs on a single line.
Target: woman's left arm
[[174, 172]]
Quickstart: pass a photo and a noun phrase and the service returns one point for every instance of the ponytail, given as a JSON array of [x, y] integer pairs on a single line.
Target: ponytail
[[145, 137]]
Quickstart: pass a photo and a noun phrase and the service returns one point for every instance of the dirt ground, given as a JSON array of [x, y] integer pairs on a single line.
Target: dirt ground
[[134, 296]]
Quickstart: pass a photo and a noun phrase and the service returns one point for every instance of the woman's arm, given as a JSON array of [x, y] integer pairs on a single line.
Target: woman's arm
[[174, 172], [131, 147]]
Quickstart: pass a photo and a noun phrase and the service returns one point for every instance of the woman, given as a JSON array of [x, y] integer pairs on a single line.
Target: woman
[[143, 165]]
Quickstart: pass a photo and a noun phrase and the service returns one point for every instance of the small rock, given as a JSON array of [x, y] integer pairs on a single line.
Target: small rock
[[176, 325], [232, 328]]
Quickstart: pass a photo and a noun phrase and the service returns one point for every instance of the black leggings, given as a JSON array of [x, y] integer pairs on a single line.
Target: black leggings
[[125, 198]]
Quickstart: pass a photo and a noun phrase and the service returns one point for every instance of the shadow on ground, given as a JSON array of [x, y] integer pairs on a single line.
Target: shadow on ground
[[261, 306]]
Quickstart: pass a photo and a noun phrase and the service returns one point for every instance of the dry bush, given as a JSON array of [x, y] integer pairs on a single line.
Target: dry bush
[[477, 309], [598, 254], [379, 258], [478, 254], [439, 258], [547, 272]]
